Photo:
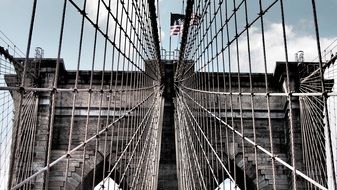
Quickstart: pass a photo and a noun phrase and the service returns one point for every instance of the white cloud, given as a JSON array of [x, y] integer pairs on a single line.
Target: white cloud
[[162, 35], [92, 10], [274, 42]]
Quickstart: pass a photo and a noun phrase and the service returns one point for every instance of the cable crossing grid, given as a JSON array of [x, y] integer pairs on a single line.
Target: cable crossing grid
[[232, 110]]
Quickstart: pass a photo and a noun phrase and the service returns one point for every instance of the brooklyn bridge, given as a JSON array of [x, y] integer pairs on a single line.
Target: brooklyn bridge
[[230, 104]]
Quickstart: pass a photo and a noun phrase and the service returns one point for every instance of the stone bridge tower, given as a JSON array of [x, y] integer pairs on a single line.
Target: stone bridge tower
[[86, 166]]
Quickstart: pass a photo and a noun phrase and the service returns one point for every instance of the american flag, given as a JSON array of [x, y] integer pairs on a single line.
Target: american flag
[[177, 22]]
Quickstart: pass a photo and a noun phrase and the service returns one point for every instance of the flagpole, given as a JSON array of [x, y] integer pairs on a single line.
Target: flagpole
[[170, 48], [179, 43], [170, 40]]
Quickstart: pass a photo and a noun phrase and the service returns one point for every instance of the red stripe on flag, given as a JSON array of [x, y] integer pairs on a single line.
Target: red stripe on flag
[[176, 29]]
